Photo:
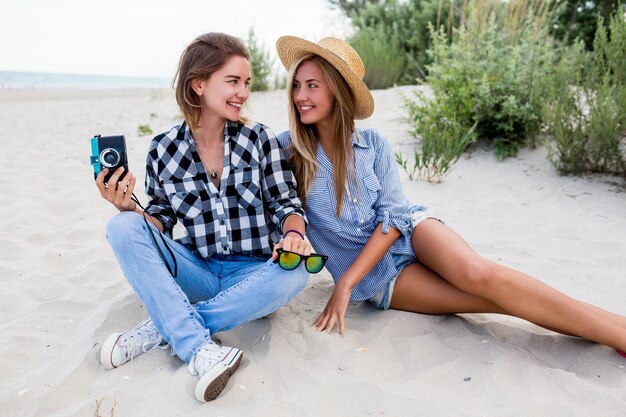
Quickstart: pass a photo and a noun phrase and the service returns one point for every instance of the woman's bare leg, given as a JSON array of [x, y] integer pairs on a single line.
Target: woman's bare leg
[[420, 290], [615, 318], [442, 250]]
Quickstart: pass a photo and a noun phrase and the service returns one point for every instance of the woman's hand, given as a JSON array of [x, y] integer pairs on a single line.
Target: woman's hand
[[118, 193], [293, 243], [335, 310]]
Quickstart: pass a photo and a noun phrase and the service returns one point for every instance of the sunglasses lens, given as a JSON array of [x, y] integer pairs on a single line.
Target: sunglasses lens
[[289, 260], [314, 264]]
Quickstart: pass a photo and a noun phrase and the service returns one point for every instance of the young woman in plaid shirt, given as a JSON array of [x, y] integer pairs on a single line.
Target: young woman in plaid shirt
[[226, 180]]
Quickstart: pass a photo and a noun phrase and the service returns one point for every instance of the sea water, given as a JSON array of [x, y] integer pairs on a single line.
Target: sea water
[[17, 80]]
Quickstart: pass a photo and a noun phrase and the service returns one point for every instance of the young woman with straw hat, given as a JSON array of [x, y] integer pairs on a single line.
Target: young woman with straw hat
[[384, 249]]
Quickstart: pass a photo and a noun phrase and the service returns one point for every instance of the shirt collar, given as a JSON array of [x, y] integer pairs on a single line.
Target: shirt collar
[[231, 130], [184, 133], [357, 140]]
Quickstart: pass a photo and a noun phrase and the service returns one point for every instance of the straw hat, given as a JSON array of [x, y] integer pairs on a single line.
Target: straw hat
[[341, 56]]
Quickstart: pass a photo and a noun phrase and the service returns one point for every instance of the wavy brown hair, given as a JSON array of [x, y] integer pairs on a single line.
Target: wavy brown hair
[[303, 158], [205, 55]]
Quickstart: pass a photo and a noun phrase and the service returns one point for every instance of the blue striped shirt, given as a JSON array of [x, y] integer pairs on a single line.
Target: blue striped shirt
[[378, 198]]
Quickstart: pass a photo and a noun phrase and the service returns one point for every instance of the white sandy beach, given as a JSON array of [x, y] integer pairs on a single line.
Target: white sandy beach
[[63, 293]]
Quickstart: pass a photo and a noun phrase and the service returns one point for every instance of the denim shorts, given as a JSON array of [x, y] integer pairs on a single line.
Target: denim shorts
[[382, 300]]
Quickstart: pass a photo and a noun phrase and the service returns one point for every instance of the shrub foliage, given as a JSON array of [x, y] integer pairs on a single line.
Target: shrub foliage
[[396, 33], [498, 75], [586, 109], [260, 62], [443, 143], [488, 78]]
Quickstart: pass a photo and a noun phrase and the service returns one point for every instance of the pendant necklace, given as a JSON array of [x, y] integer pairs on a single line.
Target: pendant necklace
[[212, 173]]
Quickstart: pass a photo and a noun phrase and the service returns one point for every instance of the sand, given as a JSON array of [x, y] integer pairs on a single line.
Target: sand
[[63, 293]]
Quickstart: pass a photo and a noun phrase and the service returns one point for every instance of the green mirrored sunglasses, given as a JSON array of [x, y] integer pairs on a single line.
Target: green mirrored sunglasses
[[290, 260]]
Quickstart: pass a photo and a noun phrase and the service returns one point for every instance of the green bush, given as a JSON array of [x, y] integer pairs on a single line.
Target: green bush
[[397, 32], [379, 52], [443, 143], [486, 78], [260, 62], [586, 109], [578, 20]]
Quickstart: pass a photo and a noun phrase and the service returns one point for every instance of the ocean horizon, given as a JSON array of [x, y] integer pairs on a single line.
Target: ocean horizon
[[24, 80]]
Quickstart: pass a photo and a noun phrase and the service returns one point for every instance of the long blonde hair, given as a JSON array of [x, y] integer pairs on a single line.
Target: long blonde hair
[[303, 158]]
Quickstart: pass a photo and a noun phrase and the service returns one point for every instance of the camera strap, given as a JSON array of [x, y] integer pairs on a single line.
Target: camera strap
[[174, 273]]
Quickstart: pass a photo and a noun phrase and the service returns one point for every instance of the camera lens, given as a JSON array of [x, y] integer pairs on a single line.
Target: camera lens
[[109, 158]]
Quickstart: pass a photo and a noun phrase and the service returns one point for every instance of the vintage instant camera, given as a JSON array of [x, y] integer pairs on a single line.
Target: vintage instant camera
[[108, 152]]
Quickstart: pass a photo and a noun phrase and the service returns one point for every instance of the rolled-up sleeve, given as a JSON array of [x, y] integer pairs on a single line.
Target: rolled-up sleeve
[[392, 207], [278, 182], [159, 205]]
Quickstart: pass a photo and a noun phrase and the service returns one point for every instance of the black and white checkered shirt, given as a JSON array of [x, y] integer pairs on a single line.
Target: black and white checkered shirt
[[244, 216]]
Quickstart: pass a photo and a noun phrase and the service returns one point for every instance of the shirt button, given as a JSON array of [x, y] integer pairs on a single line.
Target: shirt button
[[222, 221], [358, 229], [226, 248], [354, 200], [361, 221]]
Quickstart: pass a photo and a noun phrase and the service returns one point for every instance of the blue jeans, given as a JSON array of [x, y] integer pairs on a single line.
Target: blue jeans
[[207, 296]]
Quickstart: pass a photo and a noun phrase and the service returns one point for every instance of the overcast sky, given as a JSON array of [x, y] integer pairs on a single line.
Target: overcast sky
[[144, 37]]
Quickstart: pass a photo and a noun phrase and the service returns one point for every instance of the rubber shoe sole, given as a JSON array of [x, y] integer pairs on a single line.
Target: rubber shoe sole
[[214, 380], [106, 353]]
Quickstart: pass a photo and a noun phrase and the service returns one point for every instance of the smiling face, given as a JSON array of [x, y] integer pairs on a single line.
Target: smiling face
[[223, 94], [312, 95]]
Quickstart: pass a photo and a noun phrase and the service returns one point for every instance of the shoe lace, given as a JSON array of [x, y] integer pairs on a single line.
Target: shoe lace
[[205, 358], [143, 338]]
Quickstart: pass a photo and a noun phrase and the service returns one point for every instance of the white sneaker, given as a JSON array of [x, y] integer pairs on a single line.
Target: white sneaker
[[122, 347], [214, 364]]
